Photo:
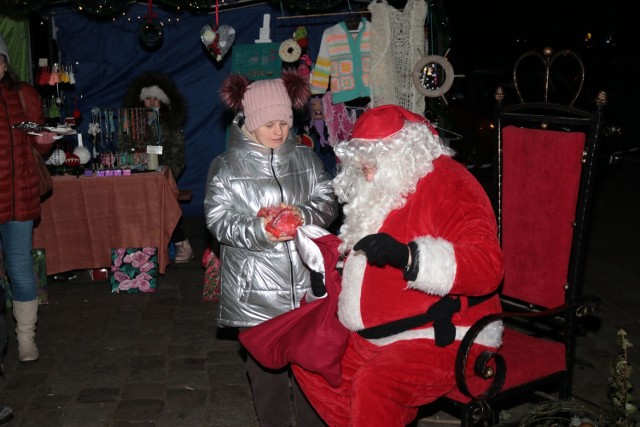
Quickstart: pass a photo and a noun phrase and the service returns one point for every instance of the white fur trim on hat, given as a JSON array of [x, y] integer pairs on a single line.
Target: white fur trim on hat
[[154, 92]]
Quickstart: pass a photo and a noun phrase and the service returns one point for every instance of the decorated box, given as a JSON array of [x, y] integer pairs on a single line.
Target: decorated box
[[134, 270], [211, 282]]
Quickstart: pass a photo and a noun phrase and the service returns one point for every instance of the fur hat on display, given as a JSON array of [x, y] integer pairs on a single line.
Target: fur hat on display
[[263, 101], [154, 92], [160, 86]]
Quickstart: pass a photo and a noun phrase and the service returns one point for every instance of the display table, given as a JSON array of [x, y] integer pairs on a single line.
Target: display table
[[85, 217]]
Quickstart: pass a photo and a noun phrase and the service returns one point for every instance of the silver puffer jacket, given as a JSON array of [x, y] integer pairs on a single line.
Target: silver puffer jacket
[[261, 279]]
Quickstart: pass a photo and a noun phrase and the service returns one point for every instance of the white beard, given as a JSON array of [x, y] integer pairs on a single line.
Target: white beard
[[401, 160], [365, 213]]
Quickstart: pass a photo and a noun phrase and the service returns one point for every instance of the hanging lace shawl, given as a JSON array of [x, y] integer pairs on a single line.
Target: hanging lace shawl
[[397, 43]]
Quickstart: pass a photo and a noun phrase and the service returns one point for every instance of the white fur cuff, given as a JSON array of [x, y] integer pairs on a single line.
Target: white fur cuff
[[437, 266]]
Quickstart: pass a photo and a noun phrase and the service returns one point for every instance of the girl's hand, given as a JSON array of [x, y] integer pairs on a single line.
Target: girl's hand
[[278, 239]]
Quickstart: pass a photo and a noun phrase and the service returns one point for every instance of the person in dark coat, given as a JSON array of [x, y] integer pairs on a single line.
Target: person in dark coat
[[156, 90]]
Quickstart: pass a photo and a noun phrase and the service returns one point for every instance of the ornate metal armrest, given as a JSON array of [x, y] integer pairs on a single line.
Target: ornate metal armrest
[[490, 365]]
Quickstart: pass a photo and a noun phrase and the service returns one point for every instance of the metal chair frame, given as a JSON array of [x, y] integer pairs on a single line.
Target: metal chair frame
[[560, 321]]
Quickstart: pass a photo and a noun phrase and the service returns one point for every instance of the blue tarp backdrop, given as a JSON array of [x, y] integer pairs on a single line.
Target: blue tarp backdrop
[[107, 56]]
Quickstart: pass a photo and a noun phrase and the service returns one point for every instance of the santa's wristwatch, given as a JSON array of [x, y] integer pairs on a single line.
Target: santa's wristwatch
[[410, 271]]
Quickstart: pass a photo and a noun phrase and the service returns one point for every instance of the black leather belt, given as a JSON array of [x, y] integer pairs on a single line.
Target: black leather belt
[[439, 313]]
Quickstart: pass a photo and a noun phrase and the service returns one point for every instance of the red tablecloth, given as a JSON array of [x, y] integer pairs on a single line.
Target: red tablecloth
[[85, 217]]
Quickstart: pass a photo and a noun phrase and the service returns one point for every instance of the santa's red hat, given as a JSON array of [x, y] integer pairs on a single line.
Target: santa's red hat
[[383, 121]]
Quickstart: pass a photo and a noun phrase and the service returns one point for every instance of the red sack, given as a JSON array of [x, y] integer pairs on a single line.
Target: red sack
[[310, 336]]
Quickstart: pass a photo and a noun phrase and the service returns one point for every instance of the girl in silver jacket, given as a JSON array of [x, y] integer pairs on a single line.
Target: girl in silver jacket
[[262, 275]]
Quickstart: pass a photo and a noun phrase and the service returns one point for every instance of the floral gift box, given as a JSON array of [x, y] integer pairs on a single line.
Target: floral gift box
[[134, 270]]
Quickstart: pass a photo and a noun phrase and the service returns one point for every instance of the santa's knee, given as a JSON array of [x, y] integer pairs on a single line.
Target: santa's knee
[[371, 382]]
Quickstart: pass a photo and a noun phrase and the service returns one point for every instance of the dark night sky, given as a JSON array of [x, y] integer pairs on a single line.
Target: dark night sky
[[489, 35], [491, 28]]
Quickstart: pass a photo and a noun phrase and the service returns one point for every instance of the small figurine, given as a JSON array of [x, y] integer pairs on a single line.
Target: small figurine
[[317, 119]]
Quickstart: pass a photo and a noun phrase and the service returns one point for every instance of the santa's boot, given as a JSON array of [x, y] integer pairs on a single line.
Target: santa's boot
[[26, 314]]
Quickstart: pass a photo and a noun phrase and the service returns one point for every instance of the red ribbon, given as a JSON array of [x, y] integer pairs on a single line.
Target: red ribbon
[[217, 7], [150, 15]]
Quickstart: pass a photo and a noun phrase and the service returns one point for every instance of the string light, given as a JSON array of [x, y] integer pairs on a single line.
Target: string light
[[111, 8]]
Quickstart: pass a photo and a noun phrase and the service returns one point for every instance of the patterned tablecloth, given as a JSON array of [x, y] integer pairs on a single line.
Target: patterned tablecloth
[[87, 216]]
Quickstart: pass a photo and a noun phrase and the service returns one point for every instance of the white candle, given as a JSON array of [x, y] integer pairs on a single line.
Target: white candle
[[152, 164]]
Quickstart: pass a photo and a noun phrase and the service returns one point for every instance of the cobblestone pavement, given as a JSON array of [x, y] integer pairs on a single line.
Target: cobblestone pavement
[[158, 359]]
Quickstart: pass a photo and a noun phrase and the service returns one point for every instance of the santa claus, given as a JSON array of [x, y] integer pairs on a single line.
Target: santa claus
[[422, 264]]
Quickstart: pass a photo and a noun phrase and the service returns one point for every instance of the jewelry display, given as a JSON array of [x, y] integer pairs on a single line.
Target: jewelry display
[[121, 137]]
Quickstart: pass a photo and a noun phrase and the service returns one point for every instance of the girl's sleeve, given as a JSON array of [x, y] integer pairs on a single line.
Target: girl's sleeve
[[228, 225]]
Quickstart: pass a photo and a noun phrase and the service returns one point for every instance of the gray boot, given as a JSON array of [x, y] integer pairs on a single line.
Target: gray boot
[[26, 314]]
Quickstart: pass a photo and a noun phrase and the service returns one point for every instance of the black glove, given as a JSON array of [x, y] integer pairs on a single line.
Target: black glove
[[383, 249], [317, 283]]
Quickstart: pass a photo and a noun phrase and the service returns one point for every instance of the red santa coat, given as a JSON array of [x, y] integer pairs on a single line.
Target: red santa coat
[[385, 380], [451, 219]]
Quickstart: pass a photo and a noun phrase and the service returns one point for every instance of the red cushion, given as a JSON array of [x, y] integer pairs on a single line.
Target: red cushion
[[541, 175], [527, 359]]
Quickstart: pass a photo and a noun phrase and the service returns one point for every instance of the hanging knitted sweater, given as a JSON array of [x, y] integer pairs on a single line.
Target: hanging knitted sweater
[[343, 58], [397, 43]]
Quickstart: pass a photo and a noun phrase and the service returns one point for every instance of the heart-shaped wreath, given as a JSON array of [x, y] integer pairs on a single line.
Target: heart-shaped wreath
[[218, 40]]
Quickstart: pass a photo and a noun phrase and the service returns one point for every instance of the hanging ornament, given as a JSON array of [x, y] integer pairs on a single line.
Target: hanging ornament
[[433, 76], [81, 152], [71, 160], [289, 50], [76, 112], [57, 158], [300, 36], [45, 75], [72, 77], [151, 30], [218, 39], [54, 77]]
